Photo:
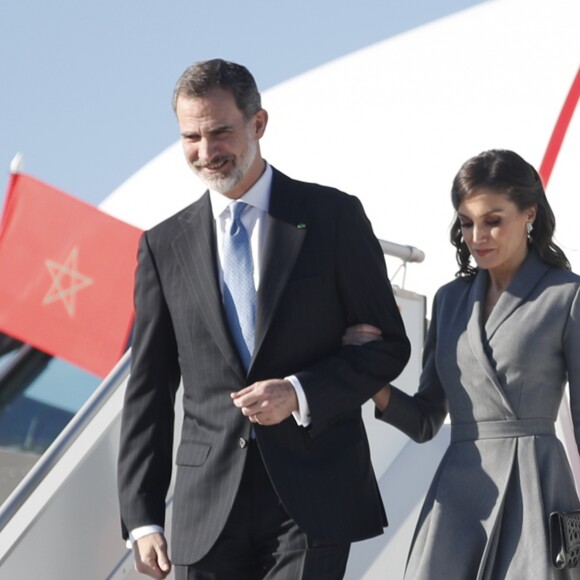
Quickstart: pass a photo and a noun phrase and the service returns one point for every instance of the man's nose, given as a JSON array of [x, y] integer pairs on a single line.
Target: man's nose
[[206, 150]]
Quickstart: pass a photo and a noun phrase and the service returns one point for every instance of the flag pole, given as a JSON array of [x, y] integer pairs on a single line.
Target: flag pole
[[15, 169]]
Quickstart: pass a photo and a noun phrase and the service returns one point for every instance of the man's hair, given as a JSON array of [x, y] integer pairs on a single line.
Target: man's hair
[[202, 77]]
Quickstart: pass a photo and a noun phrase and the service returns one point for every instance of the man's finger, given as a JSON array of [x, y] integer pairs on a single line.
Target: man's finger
[[151, 556], [247, 399], [164, 562], [242, 392], [259, 405]]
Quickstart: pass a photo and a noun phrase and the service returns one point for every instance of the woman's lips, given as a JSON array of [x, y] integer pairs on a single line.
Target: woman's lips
[[483, 253]]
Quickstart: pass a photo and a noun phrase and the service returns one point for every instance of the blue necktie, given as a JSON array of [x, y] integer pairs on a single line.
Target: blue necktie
[[239, 290]]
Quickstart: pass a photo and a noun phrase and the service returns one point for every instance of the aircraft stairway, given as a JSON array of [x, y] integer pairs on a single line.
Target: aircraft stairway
[[62, 521]]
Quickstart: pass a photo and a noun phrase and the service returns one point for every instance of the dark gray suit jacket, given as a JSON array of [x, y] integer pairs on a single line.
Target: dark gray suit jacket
[[323, 270]]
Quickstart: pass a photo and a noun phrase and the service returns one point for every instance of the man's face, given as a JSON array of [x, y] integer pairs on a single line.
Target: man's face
[[220, 144]]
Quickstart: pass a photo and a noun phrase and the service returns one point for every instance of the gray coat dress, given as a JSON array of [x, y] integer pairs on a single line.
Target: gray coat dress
[[486, 513]]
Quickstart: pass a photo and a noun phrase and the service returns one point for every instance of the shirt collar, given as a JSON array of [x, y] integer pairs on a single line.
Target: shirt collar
[[257, 196]]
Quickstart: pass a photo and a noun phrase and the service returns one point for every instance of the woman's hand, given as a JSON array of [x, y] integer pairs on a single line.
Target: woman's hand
[[361, 334], [382, 398]]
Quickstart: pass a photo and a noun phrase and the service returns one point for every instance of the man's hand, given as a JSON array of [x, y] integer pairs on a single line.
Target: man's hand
[[150, 553], [267, 402]]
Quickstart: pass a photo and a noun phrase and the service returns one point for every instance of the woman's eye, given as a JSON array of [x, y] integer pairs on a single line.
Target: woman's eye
[[465, 225], [493, 222]]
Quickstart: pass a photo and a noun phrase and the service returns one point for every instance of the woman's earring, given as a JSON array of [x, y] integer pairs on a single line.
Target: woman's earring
[[529, 229]]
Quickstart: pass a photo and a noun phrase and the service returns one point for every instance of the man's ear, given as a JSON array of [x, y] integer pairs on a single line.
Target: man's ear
[[260, 122]]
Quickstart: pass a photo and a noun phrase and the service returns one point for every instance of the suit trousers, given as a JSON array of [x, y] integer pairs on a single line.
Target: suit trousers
[[260, 541]]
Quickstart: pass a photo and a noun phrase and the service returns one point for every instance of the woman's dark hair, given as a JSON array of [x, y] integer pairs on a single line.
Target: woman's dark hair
[[505, 172]]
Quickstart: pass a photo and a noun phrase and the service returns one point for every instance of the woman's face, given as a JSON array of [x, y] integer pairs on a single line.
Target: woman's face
[[494, 230]]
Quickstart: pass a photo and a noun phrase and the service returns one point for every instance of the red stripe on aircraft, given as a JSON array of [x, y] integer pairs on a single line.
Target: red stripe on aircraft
[[560, 129]]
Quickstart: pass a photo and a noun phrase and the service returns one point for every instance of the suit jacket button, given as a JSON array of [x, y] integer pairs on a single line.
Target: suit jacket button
[[243, 442]]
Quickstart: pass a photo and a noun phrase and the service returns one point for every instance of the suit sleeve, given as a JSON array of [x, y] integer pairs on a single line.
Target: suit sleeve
[[340, 384], [420, 416], [146, 444]]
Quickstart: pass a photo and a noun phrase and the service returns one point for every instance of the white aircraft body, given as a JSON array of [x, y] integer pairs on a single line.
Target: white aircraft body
[[392, 124]]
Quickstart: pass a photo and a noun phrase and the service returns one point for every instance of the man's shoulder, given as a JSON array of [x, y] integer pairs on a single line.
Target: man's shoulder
[[173, 223], [290, 185]]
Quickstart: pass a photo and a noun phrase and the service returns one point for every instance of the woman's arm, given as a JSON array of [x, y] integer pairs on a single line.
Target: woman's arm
[[420, 416], [361, 334]]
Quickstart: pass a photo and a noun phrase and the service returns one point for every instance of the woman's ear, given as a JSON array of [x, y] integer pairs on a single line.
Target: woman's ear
[[532, 213]]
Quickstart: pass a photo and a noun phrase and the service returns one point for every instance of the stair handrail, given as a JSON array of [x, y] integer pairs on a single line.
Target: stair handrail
[[65, 439]]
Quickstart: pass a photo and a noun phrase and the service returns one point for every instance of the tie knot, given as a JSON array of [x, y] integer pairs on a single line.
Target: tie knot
[[236, 210]]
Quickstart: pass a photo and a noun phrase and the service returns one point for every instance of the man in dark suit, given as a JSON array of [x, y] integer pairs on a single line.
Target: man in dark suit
[[274, 478]]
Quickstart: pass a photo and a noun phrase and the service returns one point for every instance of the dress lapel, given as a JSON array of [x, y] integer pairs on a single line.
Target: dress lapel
[[523, 283], [475, 324], [518, 290]]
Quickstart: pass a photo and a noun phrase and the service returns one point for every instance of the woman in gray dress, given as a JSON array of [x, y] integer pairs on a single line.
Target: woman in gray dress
[[503, 341]]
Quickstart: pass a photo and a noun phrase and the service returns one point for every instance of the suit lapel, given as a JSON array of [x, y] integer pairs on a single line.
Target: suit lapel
[[195, 250], [194, 246], [287, 230]]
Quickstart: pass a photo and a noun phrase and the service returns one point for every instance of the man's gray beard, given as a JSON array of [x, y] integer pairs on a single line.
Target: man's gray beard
[[225, 183]]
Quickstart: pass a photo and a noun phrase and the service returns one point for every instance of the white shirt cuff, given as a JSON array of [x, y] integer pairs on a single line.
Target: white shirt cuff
[[137, 533], [302, 416]]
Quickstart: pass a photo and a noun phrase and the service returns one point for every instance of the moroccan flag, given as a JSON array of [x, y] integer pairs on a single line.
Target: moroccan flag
[[66, 275]]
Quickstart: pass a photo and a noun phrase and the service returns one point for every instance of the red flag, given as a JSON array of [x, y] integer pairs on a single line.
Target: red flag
[[66, 275]]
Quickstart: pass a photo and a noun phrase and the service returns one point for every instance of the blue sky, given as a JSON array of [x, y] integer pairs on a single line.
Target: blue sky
[[86, 86]]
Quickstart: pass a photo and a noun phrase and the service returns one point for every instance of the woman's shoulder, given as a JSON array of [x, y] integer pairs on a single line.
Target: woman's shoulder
[[556, 277], [455, 287]]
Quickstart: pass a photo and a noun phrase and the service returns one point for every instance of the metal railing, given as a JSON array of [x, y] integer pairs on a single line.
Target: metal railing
[[66, 438], [405, 253]]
